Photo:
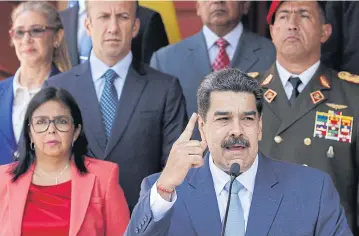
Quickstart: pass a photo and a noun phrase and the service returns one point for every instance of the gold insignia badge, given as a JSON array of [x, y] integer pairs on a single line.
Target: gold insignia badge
[[253, 74], [344, 75], [316, 96], [267, 80], [324, 81], [336, 106], [269, 95]]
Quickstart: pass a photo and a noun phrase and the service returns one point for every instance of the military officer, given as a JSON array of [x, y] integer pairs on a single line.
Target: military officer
[[310, 113]]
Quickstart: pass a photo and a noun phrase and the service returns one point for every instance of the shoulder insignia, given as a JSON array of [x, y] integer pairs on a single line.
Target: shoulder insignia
[[253, 74], [336, 106], [344, 75]]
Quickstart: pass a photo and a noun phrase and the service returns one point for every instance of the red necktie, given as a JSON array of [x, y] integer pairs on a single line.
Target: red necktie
[[222, 59]]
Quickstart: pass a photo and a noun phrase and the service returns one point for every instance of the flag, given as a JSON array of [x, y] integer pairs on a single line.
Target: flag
[[168, 13]]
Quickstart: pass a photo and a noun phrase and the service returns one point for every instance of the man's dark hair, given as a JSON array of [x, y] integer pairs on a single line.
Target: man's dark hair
[[232, 80]]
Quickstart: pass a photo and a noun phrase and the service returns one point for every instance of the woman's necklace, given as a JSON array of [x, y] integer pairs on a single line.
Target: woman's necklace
[[57, 177]]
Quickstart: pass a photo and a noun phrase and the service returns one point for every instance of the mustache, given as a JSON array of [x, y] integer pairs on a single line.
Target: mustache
[[235, 141]]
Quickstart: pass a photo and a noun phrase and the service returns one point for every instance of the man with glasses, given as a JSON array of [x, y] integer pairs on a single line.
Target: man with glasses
[[132, 113]]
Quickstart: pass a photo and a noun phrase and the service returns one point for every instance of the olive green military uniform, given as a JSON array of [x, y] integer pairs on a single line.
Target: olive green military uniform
[[319, 130]]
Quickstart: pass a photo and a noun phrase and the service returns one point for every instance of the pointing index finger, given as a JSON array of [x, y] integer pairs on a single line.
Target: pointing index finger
[[187, 133]]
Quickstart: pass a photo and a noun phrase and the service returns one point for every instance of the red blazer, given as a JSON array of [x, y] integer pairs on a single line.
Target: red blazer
[[98, 205]]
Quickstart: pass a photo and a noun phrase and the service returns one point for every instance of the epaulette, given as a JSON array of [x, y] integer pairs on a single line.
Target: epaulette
[[344, 75], [253, 74]]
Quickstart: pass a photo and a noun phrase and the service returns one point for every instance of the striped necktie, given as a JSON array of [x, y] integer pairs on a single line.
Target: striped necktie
[[109, 100]]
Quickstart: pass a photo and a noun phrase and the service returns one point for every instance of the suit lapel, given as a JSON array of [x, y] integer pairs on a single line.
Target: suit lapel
[[198, 56], [90, 108], [201, 202], [81, 190], [304, 102], [6, 103], [266, 199], [244, 56], [18, 194], [131, 93], [280, 105]]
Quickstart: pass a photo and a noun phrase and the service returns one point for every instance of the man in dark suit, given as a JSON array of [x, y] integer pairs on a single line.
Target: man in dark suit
[[310, 112], [341, 51], [132, 113], [223, 42], [268, 198], [151, 36]]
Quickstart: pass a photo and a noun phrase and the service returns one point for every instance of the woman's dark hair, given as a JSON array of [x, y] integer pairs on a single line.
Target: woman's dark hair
[[26, 156]]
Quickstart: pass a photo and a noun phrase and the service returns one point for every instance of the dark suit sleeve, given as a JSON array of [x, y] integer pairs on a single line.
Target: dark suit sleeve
[[331, 218], [154, 37], [142, 223], [175, 118]]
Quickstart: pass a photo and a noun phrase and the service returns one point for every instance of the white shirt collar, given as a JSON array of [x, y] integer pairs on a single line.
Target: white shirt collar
[[99, 68], [82, 7], [18, 87], [232, 37], [221, 178], [304, 77]]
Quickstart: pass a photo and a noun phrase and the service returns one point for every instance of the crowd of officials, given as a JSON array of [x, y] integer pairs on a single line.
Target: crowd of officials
[[105, 129]]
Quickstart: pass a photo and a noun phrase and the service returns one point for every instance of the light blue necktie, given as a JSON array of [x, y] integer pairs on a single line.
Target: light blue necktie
[[109, 100], [72, 3], [235, 220], [86, 42], [85, 47]]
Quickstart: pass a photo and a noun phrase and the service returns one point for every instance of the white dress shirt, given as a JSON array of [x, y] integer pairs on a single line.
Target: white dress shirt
[[305, 77], [98, 69], [232, 39], [159, 206], [81, 31], [22, 97]]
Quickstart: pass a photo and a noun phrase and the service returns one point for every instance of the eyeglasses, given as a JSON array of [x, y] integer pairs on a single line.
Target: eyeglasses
[[41, 124], [34, 32]]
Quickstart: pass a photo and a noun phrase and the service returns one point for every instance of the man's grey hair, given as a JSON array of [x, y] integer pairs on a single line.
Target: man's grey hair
[[225, 80]]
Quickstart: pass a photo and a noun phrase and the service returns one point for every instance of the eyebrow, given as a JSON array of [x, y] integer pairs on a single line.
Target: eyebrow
[[300, 10], [224, 113]]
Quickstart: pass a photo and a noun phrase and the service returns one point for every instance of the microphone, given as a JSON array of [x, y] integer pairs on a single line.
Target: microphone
[[234, 172]]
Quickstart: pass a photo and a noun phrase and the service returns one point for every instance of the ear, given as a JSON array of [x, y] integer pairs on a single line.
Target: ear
[[326, 31], [58, 38], [260, 134], [246, 6], [136, 27], [201, 128], [88, 26], [271, 31], [77, 133], [198, 8]]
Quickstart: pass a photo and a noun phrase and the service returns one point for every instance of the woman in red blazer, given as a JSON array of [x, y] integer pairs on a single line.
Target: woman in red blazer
[[53, 189]]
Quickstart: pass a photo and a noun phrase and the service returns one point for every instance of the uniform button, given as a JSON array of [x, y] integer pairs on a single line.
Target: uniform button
[[278, 139], [305, 165], [137, 230], [142, 222], [140, 227], [307, 141]]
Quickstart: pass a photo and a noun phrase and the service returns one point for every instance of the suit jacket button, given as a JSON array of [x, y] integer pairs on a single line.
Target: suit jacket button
[[307, 141], [278, 139]]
